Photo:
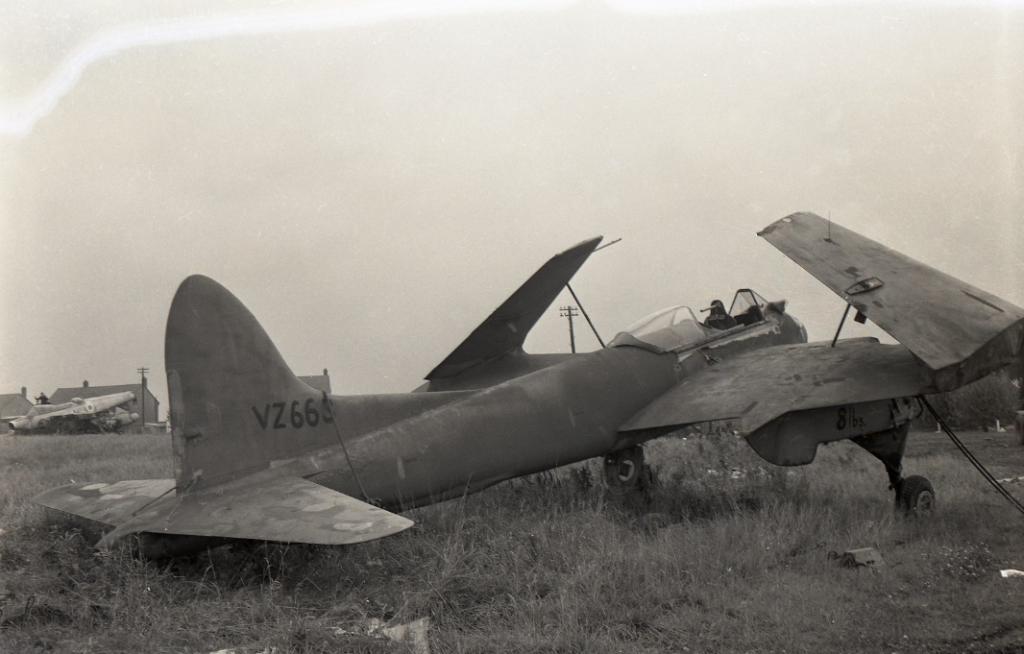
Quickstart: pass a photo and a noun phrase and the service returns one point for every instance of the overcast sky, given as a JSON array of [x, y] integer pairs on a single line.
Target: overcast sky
[[372, 179]]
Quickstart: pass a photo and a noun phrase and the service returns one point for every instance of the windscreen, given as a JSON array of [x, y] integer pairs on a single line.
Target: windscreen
[[747, 307]]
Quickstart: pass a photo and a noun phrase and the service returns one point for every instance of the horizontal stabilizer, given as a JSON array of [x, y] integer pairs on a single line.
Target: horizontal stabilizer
[[758, 386], [507, 327], [112, 504], [959, 331], [289, 509]]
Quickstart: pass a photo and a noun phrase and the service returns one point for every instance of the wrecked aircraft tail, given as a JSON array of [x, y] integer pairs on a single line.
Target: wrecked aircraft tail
[[236, 406]]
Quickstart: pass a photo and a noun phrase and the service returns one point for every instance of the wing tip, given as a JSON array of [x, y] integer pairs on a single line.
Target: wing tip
[[588, 246], [532, 298], [797, 217]]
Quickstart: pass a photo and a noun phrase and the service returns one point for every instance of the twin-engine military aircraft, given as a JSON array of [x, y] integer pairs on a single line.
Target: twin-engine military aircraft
[[97, 414], [260, 455]]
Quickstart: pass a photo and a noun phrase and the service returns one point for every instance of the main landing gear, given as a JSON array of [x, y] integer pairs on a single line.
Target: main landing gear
[[914, 494]]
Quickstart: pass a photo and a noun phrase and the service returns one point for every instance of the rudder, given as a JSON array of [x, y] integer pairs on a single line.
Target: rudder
[[231, 392]]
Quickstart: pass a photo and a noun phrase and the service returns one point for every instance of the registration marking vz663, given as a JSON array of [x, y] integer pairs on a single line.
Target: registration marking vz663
[[279, 415]]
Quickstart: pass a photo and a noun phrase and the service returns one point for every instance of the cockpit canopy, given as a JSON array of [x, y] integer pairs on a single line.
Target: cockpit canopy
[[667, 329], [677, 327]]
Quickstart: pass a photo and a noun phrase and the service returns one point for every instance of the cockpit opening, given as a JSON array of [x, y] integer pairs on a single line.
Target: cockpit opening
[[677, 327], [718, 318]]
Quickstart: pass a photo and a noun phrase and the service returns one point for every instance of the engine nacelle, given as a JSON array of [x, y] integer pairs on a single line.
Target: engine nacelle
[[793, 439]]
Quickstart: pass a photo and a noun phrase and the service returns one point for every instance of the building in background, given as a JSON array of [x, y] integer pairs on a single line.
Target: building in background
[[146, 404], [16, 404], [319, 382]]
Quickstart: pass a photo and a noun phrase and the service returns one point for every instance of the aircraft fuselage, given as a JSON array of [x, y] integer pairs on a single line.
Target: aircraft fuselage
[[561, 414]]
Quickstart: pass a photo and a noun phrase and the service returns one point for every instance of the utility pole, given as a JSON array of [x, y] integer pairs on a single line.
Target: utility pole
[[143, 372], [569, 312]]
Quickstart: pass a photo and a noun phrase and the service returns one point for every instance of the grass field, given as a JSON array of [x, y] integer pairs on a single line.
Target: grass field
[[550, 563]]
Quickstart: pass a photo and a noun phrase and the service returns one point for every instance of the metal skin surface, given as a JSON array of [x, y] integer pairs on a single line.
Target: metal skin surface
[[505, 330], [260, 455], [783, 441], [43, 416], [755, 387], [109, 503], [278, 508], [959, 331], [562, 414]]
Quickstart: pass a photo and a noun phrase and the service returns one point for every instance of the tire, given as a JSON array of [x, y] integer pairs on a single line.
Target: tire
[[916, 496], [624, 470]]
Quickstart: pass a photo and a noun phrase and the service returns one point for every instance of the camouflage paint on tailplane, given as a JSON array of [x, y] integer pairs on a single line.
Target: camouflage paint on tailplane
[[259, 455]]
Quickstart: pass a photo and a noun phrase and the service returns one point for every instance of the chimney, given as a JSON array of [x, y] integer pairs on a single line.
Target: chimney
[[325, 374], [23, 391], [85, 384]]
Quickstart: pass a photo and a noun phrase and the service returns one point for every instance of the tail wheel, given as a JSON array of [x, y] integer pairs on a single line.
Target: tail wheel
[[624, 469], [915, 496]]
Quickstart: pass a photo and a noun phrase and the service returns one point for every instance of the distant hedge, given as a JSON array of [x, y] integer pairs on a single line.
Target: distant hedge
[[977, 405]]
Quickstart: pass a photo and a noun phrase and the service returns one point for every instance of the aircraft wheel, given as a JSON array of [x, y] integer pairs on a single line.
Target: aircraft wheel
[[915, 496], [624, 469]]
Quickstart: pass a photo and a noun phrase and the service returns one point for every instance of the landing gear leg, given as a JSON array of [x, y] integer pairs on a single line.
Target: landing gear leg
[[914, 494]]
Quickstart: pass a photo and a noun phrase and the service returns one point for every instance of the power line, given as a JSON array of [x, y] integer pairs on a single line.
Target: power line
[[585, 315], [569, 312], [142, 392]]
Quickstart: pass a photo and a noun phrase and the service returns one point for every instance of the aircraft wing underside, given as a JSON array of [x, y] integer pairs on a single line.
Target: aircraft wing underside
[[758, 386], [959, 331]]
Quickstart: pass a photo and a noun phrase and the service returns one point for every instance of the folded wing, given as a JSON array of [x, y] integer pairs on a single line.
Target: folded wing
[[507, 327], [959, 331]]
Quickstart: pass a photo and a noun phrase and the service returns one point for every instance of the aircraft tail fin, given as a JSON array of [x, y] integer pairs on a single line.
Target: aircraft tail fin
[[235, 404], [959, 331]]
